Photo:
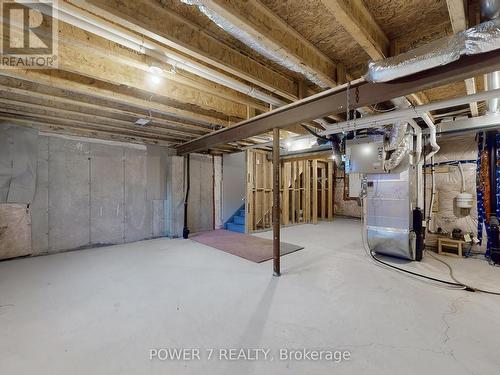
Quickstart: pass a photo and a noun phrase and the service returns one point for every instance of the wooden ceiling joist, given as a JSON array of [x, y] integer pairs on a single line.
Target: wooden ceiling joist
[[360, 24], [104, 134], [32, 108], [36, 98], [270, 33], [95, 92], [149, 18], [357, 20], [91, 56], [458, 20]]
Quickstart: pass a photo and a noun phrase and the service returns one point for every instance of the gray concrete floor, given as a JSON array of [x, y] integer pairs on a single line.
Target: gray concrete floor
[[100, 311]]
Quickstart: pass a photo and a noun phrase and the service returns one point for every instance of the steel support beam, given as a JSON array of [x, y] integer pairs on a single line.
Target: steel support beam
[[333, 101], [276, 202]]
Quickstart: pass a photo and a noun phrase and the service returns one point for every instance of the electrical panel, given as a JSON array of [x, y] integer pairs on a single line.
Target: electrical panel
[[365, 155]]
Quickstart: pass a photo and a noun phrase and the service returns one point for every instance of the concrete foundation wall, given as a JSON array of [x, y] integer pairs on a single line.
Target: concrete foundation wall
[[98, 193], [344, 207], [201, 193]]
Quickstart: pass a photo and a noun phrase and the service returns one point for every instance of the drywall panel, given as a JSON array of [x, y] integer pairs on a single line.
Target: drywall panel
[[233, 183], [40, 206], [106, 194], [69, 205], [15, 230], [200, 203], [138, 213]]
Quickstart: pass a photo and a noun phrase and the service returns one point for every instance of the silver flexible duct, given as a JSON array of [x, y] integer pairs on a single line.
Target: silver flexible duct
[[275, 55], [397, 156], [490, 10], [476, 40], [396, 135]]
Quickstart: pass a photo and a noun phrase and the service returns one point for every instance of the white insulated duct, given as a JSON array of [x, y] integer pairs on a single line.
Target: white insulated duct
[[476, 40], [490, 10], [396, 135], [274, 53]]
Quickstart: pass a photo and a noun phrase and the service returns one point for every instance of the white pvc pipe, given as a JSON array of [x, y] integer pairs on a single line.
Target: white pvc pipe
[[418, 134], [461, 170], [432, 135], [418, 111], [171, 58], [403, 114], [433, 192]]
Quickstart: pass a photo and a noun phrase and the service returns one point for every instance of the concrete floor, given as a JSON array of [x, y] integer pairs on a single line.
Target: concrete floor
[[100, 311]]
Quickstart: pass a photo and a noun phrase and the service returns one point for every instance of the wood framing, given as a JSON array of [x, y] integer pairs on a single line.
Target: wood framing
[[306, 190]]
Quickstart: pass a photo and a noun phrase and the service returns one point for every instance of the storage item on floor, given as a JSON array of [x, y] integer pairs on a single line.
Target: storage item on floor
[[448, 246], [252, 248]]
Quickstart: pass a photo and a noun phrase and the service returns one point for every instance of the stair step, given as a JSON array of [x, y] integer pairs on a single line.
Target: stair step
[[242, 212], [239, 220], [235, 227]]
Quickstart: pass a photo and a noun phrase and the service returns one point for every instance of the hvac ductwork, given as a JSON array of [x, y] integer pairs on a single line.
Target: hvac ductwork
[[480, 39], [274, 54], [397, 144], [490, 10], [396, 136], [397, 156]]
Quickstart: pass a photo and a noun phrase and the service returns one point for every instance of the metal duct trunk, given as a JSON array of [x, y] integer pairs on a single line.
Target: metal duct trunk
[[476, 40]]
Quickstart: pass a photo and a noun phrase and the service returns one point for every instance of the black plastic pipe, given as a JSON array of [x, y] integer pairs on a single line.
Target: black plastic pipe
[[185, 230]]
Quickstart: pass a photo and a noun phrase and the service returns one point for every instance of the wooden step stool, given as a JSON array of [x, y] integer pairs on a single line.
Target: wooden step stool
[[448, 243]]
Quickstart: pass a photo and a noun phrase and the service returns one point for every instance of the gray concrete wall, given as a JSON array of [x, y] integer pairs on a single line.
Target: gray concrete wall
[[233, 183], [344, 207], [201, 194], [174, 207], [96, 193]]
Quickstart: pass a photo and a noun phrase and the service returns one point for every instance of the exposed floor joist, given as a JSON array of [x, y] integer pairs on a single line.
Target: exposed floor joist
[[459, 23], [360, 24], [272, 38], [149, 18]]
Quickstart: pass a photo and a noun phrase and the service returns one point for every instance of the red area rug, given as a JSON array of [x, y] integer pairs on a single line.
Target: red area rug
[[252, 248]]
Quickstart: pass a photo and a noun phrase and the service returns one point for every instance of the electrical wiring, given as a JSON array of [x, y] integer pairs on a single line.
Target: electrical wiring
[[455, 284], [449, 284], [474, 289]]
